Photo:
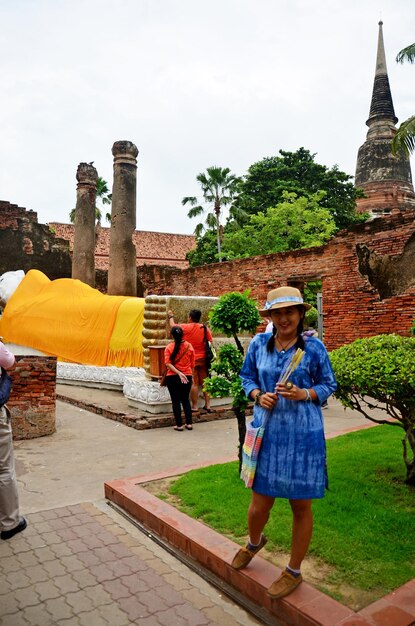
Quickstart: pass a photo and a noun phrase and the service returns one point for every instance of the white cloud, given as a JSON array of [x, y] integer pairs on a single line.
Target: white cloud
[[192, 84]]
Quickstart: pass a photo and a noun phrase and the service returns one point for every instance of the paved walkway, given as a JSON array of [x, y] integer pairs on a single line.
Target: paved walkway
[[81, 563], [85, 565]]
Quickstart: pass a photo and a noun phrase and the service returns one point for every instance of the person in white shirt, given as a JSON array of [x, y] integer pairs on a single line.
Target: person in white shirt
[[11, 522]]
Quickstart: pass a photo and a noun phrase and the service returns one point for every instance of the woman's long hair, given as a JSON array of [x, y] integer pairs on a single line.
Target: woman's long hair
[[177, 334], [300, 328]]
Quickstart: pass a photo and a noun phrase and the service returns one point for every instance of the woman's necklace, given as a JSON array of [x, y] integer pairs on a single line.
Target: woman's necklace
[[284, 348]]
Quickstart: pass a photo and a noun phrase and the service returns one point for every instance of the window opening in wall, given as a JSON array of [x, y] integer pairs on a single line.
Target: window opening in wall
[[312, 290]]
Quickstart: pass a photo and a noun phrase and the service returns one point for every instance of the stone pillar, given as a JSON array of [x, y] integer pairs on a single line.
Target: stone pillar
[[83, 259], [122, 271]]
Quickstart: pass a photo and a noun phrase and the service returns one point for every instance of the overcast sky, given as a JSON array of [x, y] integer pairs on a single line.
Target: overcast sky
[[192, 84]]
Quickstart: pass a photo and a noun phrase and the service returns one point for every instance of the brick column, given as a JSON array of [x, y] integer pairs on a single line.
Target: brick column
[[83, 259], [32, 401], [122, 271]]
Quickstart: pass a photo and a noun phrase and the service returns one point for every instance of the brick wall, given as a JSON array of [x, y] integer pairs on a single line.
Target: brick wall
[[352, 305], [33, 399], [10, 212], [27, 245]]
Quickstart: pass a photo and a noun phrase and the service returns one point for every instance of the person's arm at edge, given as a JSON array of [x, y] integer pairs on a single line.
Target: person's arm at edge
[[170, 316], [7, 358], [250, 380]]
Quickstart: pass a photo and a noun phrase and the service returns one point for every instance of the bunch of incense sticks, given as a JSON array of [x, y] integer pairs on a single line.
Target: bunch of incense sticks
[[294, 363]]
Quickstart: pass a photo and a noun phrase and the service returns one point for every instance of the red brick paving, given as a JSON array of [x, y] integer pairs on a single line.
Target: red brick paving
[[304, 607]]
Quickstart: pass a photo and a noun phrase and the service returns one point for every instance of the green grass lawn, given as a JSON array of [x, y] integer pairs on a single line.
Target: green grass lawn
[[364, 528]]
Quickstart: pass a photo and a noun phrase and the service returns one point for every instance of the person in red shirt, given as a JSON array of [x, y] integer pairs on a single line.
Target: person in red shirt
[[179, 358], [194, 333]]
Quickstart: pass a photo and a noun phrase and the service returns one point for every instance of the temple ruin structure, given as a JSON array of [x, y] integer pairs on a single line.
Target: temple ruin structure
[[385, 178]]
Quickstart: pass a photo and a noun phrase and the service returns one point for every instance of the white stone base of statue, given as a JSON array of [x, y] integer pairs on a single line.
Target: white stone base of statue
[[147, 395], [96, 376]]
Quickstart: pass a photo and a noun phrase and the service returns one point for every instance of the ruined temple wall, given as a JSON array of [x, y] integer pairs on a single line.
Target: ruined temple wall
[[9, 213], [354, 301], [28, 245], [353, 307]]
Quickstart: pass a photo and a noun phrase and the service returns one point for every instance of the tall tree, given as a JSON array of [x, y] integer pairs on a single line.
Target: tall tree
[[294, 223], [104, 196], [404, 140], [297, 172], [219, 188], [206, 250]]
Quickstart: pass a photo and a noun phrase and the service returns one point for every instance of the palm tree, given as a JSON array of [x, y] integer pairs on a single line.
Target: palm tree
[[105, 197], [219, 188], [404, 140]]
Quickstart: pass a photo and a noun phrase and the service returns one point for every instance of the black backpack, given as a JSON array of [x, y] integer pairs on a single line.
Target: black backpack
[[208, 350]]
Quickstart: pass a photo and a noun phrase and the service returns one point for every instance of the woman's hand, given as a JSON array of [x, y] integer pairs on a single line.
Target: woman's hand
[[295, 393], [183, 378], [268, 400]]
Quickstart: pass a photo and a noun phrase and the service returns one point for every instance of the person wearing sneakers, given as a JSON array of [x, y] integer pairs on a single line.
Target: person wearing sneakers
[[11, 522], [194, 332], [179, 358], [292, 458]]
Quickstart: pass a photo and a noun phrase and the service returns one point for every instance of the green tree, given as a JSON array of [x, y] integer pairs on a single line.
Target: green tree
[[232, 314], [235, 313], [379, 373], [206, 250], [104, 196], [294, 223], [219, 187], [404, 140], [297, 172]]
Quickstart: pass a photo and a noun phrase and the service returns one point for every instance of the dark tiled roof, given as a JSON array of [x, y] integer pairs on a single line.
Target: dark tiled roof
[[152, 248]]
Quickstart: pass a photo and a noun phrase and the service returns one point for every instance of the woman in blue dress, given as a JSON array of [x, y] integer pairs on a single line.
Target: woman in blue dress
[[292, 459]]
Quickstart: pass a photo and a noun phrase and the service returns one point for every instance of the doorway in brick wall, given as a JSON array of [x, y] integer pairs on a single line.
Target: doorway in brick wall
[[312, 290]]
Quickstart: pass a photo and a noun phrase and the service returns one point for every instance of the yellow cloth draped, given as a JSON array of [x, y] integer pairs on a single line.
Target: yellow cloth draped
[[126, 347], [68, 319]]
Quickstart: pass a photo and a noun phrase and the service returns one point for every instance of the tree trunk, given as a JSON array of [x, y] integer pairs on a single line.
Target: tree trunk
[[218, 237], [238, 344], [240, 416], [409, 442], [410, 474]]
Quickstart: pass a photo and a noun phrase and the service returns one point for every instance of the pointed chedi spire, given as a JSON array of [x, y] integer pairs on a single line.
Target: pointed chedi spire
[[381, 107], [386, 179]]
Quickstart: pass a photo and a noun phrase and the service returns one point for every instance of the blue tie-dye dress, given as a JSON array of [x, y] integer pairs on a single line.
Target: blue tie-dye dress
[[292, 459]]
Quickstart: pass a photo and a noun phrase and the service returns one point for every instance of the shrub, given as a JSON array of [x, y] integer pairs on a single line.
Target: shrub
[[379, 373]]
